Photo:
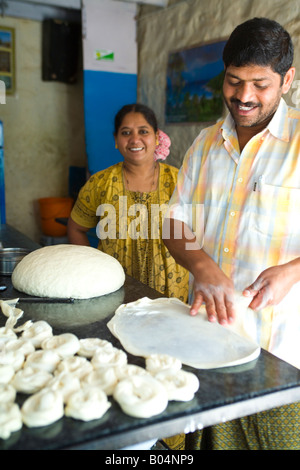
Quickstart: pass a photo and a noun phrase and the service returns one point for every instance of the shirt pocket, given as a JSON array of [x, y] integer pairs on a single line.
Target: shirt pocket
[[274, 211]]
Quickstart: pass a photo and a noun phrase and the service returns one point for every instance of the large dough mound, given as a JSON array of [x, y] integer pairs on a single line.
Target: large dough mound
[[68, 271]]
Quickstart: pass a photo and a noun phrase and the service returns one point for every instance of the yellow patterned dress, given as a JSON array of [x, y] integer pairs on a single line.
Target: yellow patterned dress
[[129, 227]]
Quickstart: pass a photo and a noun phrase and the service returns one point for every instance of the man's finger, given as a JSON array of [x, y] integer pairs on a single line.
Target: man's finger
[[263, 298], [197, 302]]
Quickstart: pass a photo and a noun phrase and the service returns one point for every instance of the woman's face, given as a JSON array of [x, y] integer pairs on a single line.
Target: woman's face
[[136, 138]]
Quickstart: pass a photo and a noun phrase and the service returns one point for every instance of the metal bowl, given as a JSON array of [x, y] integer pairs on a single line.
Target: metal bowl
[[10, 257]]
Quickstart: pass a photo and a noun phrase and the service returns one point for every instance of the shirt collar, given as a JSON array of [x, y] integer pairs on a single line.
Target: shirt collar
[[278, 126]]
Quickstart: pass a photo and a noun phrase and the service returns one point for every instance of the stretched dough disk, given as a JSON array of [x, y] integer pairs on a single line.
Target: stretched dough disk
[[141, 396], [165, 326], [68, 271]]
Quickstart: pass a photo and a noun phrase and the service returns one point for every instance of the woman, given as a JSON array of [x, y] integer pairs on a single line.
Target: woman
[[126, 203]]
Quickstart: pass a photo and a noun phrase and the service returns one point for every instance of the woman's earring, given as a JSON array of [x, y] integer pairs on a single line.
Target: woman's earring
[[116, 145]]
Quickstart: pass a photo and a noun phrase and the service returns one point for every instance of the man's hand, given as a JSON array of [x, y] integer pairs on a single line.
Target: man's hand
[[216, 290], [273, 284]]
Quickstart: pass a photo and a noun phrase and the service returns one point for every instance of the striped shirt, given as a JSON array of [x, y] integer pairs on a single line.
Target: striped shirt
[[250, 206]]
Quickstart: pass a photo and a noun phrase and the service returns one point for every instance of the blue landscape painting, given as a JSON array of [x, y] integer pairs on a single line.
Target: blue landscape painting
[[194, 84]]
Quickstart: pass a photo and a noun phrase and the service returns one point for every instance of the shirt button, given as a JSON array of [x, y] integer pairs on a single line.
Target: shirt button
[[240, 180], [226, 250], [232, 213]]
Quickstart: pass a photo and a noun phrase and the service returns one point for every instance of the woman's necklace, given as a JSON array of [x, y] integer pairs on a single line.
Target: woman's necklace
[[153, 182]]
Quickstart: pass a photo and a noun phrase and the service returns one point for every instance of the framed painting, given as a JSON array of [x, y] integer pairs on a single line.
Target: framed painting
[[7, 58], [194, 84]]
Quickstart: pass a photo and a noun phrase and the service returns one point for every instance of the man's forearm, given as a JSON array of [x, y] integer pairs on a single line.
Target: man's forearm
[[211, 285], [183, 246]]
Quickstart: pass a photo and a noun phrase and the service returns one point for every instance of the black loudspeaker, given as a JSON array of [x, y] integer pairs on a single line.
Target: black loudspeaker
[[60, 48]]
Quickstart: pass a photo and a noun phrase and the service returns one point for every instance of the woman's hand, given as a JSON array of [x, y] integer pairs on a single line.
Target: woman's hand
[[77, 235], [273, 284]]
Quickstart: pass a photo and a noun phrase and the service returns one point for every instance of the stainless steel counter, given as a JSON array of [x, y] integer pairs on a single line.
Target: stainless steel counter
[[224, 394]]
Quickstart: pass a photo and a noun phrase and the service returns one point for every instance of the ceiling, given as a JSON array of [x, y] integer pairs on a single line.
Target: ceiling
[[60, 9], [76, 4]]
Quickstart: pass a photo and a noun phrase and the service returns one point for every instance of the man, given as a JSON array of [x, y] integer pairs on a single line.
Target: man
[[245, 173]]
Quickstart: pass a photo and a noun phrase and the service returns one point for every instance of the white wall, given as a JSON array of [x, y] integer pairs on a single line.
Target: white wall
[[43, 132]]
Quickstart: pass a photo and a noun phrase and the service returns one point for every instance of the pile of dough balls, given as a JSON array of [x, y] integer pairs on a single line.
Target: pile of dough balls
[[67, 376]]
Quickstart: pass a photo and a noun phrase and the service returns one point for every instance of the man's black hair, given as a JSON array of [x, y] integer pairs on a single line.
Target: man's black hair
[[262, 42]]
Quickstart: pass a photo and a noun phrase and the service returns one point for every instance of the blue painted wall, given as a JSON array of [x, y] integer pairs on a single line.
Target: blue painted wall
[[104, 94]]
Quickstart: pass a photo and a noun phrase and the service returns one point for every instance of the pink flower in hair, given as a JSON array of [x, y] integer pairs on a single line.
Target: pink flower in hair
[[162, 149]]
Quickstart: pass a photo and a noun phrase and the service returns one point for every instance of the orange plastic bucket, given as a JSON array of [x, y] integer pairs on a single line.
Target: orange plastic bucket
[[52, 208]]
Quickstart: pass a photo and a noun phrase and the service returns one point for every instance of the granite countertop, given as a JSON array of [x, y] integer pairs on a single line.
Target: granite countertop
[[224, 394]]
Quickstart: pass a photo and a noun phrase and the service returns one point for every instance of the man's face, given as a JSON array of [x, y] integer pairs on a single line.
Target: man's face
[[252, 94]]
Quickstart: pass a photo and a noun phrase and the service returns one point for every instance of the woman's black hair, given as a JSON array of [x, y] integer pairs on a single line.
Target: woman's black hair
[[260, 41], [135, 108]]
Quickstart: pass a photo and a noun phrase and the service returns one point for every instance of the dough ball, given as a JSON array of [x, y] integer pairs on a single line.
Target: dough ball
[[64, 383], [87, 404], [43, 408], [7, 393], [76, 366], [6, 335], [12, 358], [109, 357], [10, 419], [43, 360], [29, 380], [68, 271], [105, 378], [158, 362], [6, 373], [88, 346], [23, 345], [37, 332], [126, 370], [180, 385], [141, 396], [65, 344]]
